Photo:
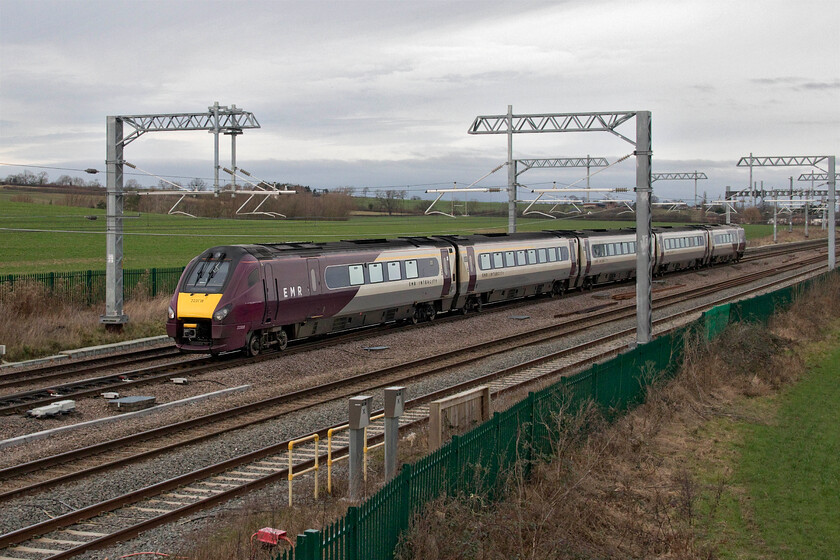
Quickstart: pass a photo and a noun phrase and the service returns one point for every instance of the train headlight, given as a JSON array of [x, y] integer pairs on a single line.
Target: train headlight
[[171, 312], [221, 313]]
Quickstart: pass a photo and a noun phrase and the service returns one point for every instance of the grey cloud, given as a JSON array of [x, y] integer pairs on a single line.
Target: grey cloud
[[797, 83]]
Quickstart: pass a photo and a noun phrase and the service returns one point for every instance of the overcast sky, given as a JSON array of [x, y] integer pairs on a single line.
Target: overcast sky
[[380, 93]]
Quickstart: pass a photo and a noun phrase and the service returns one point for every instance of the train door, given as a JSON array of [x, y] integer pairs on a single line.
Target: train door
[[707, 239], [471, 268], [573, 257], [447, 272], [313, 268], [270, 291]]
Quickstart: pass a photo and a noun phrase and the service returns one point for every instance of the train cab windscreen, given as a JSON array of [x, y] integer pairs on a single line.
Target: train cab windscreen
[[208, 274]]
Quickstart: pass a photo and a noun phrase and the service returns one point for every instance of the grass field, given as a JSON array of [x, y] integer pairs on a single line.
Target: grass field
[[789, 466], [39, 237]]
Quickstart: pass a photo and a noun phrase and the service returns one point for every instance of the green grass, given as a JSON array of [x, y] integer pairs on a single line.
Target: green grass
[[60, 238], [786, 500], [792, 467]]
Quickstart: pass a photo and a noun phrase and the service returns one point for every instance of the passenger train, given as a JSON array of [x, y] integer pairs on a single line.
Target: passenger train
[[253, 297]]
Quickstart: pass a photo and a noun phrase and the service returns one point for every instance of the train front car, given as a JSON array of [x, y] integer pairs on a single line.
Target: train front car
[[218, 297]]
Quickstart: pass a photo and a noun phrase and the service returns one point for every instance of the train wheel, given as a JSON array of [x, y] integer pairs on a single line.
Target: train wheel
[[254, 344], [431, 313], [282, 340]]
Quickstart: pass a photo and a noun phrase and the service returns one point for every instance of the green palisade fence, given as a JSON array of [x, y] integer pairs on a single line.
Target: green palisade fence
[[88, 286], [478, 461]]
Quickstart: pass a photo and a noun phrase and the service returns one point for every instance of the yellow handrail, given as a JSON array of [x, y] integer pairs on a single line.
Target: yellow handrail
[[330, 460], [293, 474]]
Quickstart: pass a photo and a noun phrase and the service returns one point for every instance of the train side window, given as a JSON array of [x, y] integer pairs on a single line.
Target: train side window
[[520, 258], [497, 261], [625, 248], [411, 269], [337, 277], [552, 254], [509, 259], [532, 256], [394, 272], [375, 273], [484, 261], [682, 242], [564, 253], [357, 274], [428, 268], [610, 249], [253, 277], [597, 251], [632, 247], [541, 256]]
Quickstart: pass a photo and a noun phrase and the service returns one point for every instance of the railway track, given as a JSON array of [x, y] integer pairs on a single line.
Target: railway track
[[255, 412], [216, 483], [92, 386]]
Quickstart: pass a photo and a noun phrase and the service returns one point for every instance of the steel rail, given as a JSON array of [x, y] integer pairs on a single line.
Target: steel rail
[[479, 351], [21, 401]]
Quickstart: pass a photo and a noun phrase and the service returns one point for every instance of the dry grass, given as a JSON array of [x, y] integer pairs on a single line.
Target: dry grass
[[785, 236], [630, 489], [35, 323]]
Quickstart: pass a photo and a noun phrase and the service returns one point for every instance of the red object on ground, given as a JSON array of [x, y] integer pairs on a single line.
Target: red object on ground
[[271, 536]]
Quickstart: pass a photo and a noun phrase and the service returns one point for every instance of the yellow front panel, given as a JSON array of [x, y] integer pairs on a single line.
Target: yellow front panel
[[199, 306]]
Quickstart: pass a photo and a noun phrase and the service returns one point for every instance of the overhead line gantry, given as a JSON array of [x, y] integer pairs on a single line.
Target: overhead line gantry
[[217, 120]]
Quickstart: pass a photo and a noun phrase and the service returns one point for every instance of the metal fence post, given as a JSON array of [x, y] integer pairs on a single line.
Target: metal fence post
[[154, 282], [313, 544], [351, 539], [405, 489], [454, 465]]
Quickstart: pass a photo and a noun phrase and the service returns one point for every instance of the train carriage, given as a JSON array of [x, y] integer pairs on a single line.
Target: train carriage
[[497, 267], [680, 248], [606, 256], [726, 243], [262, 295]]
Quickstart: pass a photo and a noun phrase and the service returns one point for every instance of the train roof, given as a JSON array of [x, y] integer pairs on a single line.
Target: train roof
[[592, 232], [485, 237], [309, 248]]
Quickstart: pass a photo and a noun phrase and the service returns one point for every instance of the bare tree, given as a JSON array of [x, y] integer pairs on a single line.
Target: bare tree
[[388, 200], [197, 184]]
